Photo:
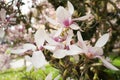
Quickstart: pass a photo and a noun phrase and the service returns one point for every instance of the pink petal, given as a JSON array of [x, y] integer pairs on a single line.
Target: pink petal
[[107, 64], [81, 42], [51, 20], [74, 50], [62, 14], [58, 32], [70, 7], [83, 18], [102, 40], [96, 51], [18, 51], [49, 47], [24, 48], [38, 59], [59, 53], [29, 46], [39, 37], [69, 37], [74, 26]]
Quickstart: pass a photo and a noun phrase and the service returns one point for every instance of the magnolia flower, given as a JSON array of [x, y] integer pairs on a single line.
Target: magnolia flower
[[38, 60], [64, 17], [63, 47], [96, 51]]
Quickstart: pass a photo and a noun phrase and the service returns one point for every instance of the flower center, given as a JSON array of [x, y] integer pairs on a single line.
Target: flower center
[[58, 39], [41, 48], [67, 23], [89, 55]]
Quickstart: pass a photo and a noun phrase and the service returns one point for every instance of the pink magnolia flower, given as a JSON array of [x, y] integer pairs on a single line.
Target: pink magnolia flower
[[38, 59], [63, 47], [96, 51], [64, 17]]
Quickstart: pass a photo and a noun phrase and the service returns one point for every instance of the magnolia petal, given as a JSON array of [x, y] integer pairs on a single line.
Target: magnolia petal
[[38, 59], [49, 77], [96, 51], [49, 47], [69, 37], [51, 41], [74, 26], [83, 18], [107, 64], [62, 14], [74, 50], [29, 46], [59, 31], [27, 58], [102, 40], [70, 7], [81, 42], [40, 36], [19, 51], [59, 53], [51, 20], [24, 48]]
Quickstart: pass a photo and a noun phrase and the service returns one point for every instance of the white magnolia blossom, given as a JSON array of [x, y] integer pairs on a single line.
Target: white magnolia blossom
[[64, 17], [38, 59], [96, 51]]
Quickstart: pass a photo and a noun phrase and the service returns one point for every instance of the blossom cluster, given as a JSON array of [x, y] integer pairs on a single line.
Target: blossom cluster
[[61, 42], [65, 40]]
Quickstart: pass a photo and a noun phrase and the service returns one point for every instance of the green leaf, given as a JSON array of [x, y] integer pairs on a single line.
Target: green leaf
[[116, 62]]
